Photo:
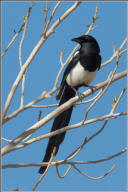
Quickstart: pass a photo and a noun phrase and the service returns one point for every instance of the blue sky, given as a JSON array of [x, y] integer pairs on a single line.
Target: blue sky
[[111, 26]]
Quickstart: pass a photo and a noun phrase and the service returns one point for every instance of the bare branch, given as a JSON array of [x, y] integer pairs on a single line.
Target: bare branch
[[44, 106], [94, 178], [90, 100], [12, 146], [20, 141], [74, 153], [73, 51], [61, 55], [115, 53], [17, 34], [95, 101], [114, 49], [117, 102], [11, 42], [62, 162], [110, 77], [33, 54], [7, 140], [5, 119], [22, 40], [39, 116], [64, 16], [42, 176], [106, 121], [66, 172], [59, 110], [22, 90], [57, 78], [45, 17], [94, 18], [49, 21], [20, 55]]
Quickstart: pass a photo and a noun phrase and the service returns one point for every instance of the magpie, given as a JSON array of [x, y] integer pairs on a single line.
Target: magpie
[[80, 71]]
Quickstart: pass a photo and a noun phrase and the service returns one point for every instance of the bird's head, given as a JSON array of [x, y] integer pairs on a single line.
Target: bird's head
[[88, 41]]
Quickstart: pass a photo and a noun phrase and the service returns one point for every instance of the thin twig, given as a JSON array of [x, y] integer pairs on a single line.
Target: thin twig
[[51, 17], [45, 17], [95, 101], [11, 42], [44, 106], [39, 116], [66, 172], [57, 111], [117, 102], [106, 121], [16, 34], [22, 90], [7, 140], [92, 99], [94, 178], [32, 55], [106, 88], [78, 103], [115, 54], [61, 55], [94, 18], [94, 135], [42, 176], [62, 162], [73, 51], [74, 153], [12, 146], [20, 55], [5, 119], [22, 40]]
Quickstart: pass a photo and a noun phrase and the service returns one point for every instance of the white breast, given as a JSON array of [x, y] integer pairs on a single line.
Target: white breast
[[78, 76]]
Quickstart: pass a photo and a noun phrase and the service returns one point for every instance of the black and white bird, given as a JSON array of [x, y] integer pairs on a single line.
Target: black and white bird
[[80, 71]]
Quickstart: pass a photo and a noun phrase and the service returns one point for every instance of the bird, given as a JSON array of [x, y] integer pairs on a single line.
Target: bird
[[80, 71]]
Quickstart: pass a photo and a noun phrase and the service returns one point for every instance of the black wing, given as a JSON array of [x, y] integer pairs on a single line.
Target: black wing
[[72, 63], [91, 62]]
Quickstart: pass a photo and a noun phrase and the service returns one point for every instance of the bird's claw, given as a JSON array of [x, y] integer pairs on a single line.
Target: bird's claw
[[80, 95], [92, 88]]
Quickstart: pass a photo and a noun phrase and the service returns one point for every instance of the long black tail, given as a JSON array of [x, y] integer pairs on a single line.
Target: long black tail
[[60, 121]]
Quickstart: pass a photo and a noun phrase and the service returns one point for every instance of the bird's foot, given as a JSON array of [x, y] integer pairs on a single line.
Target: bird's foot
[[92, 88], [80, 95]]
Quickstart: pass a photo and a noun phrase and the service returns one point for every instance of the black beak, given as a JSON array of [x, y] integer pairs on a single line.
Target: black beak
[[80, 39], [77, 39]]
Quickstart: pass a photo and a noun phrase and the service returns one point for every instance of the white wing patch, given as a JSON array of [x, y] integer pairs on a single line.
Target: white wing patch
[[73, 55], [79, 76]]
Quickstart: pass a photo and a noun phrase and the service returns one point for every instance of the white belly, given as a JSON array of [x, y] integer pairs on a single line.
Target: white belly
[[79, 76]]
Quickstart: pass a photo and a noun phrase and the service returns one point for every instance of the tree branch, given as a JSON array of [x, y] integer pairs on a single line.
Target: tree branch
[[115, 53], [94, 178], [57, 111], [62, 162], [33, 54], [17, 34], [29, 105]]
